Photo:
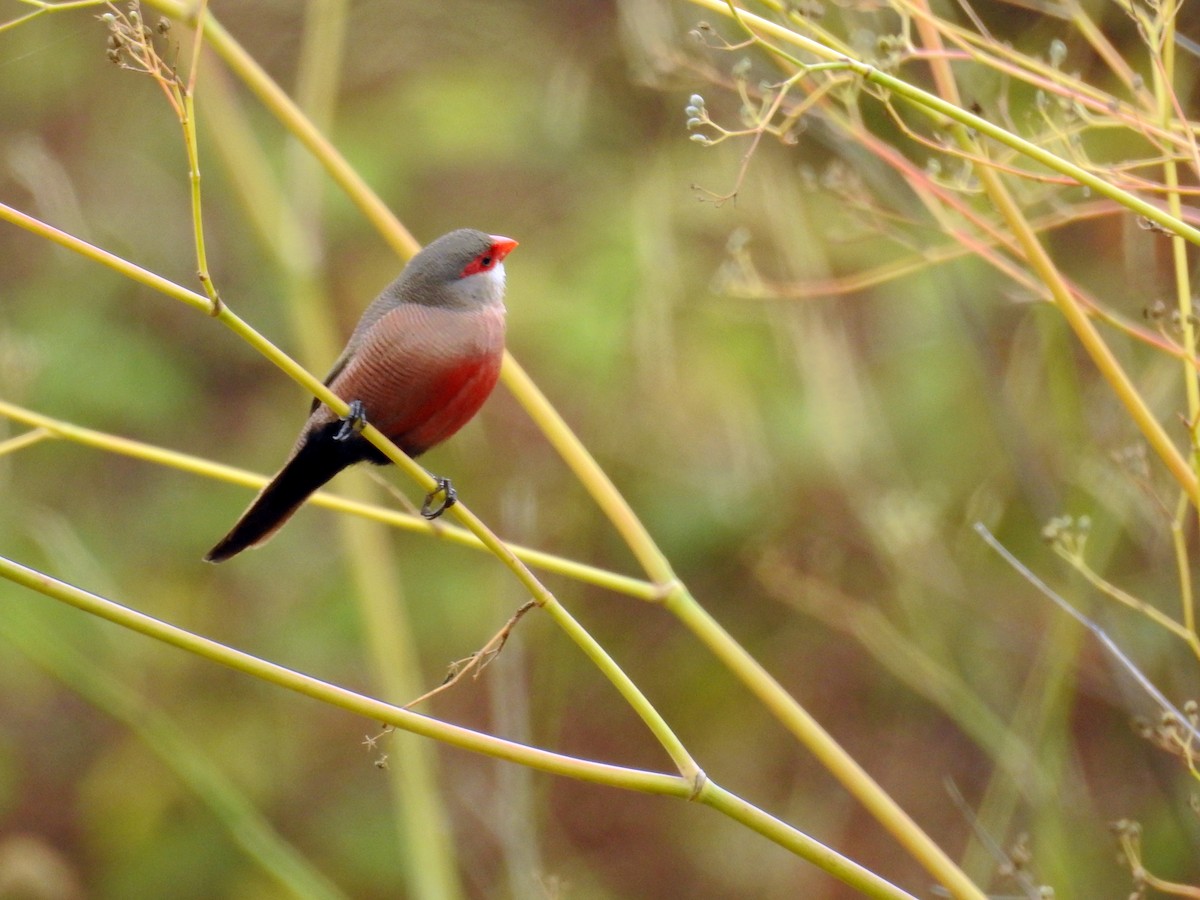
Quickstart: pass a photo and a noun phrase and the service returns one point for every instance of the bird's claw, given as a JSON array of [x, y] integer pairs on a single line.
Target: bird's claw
[[449, 498], [353, 422]]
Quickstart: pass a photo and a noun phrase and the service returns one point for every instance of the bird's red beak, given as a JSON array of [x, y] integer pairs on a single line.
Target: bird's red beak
[[502, 246]]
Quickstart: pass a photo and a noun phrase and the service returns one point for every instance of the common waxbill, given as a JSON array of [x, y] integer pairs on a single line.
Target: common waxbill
[[421, 361]]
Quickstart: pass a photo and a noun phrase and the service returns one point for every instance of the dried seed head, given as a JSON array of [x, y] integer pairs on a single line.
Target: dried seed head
[[1058, 52]]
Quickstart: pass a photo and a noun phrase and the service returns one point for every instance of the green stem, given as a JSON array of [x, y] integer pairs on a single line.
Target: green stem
[[114, 262], [821, 744], [588, 644], [848, 871], [589, 473], [375, 710], [639, 780], [45, 426], [193, 154]]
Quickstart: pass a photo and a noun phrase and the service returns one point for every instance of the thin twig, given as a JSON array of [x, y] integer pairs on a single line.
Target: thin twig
[[475, 663], [1108, 643]]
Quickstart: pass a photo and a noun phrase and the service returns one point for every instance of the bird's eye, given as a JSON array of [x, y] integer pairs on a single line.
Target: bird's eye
[[481, 263]]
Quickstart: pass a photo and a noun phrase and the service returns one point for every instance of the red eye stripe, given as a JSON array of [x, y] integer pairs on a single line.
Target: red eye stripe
[[500, 248], [481, 263]]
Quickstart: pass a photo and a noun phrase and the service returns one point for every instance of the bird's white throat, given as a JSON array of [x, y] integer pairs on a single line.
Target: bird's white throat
[[483, 288]]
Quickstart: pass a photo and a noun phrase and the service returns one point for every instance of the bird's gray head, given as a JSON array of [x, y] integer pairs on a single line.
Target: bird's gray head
[[460, 270]]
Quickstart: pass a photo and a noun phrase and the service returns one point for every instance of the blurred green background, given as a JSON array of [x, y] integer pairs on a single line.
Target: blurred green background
[[812, 467]]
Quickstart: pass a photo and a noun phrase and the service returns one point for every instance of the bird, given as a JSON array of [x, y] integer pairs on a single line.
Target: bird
[[420, 363]]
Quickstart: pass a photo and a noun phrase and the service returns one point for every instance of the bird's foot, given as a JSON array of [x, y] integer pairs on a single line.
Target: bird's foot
[[353, 422], [448, 494]]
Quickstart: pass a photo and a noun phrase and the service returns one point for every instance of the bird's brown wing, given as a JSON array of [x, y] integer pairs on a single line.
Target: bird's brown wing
[[333, 374]]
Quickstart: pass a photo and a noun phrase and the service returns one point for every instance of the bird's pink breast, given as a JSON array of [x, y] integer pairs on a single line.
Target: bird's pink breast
[[449, 402], [423, 373]]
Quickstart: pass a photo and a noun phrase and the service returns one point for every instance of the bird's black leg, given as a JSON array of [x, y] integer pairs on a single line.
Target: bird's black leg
[[449, 498], [352, 422]]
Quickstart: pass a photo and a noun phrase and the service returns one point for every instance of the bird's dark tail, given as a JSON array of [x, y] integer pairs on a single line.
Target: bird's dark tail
[[316, 461]]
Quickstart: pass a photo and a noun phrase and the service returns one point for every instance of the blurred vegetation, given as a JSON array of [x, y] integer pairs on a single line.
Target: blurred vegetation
[[810, 447]]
